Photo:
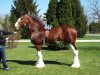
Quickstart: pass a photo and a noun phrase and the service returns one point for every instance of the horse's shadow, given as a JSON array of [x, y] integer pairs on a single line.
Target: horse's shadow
[[23, 62], [47, 48], [43, 47]]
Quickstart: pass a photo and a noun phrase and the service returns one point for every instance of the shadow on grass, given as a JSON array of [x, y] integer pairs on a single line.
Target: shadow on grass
[[46, 48], [33, 62], [43, 47]]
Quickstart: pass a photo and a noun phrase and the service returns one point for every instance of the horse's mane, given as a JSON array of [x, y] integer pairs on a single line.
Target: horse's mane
[[37, 19]]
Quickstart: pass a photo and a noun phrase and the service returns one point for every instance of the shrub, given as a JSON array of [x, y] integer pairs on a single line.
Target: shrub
[[58, 45]]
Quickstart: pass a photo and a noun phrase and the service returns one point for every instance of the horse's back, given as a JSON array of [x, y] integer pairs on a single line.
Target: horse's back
[[56, 34], [69, 29]]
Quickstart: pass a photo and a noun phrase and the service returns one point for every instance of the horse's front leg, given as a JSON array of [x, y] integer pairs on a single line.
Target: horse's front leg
[[40, 62]]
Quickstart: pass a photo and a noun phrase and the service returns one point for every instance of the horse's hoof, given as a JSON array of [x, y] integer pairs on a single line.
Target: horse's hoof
[[40, 65], [75, 65]]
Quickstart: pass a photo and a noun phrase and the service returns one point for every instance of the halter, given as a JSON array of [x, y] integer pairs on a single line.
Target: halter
[[17, 23]]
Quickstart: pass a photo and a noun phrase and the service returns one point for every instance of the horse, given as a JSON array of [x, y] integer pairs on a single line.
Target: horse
[[37, 33]]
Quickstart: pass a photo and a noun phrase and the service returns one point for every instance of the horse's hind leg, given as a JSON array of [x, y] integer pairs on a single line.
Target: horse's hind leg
[[76, 63], [40, 62]]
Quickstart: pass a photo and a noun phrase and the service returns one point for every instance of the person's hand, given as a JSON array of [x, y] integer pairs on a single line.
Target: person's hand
[[14, 32], [7, 39]]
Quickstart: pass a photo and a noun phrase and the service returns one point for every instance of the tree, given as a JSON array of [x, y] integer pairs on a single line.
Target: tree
[[79, 18], [51, 13], [94, 27], [57, 15], [65, 12], [1, 20], [94, 6], [68, 12], [22, 7], [5, 22]]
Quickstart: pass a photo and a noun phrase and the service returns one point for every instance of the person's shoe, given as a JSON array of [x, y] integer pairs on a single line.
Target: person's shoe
[[1, 60], [6, 68]]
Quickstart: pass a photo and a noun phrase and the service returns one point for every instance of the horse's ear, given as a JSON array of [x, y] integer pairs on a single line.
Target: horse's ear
[[31, 14]]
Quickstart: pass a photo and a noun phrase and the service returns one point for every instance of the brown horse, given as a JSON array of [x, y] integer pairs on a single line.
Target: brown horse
[[37, 33]]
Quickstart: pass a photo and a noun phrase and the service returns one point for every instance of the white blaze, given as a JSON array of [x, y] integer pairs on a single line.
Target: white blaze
[[17, 23]]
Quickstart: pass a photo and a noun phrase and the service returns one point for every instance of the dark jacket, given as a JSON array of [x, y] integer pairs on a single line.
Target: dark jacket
[[2, 37]]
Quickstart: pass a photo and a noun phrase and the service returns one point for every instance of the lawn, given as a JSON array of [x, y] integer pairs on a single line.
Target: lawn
[[21, 61], [91, 37]]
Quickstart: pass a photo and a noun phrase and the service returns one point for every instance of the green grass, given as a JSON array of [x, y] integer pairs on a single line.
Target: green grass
[[21, 61], [90, 37]]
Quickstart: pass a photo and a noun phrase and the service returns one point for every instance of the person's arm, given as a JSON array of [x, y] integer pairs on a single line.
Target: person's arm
[[1, 41], [7, 33]]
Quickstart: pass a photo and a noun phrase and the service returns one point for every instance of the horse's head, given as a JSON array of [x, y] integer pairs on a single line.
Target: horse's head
[[32, 21], [21, 22]]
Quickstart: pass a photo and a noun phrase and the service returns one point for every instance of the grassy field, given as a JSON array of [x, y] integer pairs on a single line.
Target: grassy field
[[21, 61], [91, 37]]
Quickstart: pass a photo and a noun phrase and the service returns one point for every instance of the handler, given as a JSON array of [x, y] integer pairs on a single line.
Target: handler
[[2, 48]]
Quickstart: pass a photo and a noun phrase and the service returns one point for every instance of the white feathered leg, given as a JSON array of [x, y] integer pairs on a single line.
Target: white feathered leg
[[40, 62], [76, 63]]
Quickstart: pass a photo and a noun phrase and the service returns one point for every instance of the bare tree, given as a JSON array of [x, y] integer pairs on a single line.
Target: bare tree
[[94, 6], [1, 20]]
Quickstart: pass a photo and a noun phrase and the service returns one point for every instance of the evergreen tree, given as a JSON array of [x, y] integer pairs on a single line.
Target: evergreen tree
[[94, 27], [65, 12], [22, 7], [79, 18], [69, 12], [51, 13]]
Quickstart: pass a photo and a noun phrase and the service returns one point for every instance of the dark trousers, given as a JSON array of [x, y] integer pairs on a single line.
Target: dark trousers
[[3, 56]]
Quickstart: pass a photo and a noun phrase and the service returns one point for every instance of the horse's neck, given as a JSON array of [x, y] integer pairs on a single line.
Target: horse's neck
[[34, 26]]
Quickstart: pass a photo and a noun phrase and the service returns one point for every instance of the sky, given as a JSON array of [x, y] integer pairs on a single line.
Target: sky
[[5, 6]]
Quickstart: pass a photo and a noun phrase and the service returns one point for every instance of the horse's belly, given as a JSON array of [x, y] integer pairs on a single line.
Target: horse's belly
[[56, 37]]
